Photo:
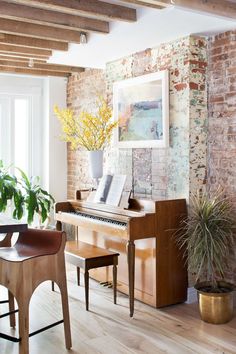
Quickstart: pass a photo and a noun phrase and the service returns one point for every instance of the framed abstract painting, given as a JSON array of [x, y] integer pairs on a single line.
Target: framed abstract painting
[[141, 106]]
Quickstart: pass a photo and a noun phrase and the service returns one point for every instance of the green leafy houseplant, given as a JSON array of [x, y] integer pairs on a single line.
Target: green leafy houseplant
[[25, 195], [35, 199], [9, 191], [8, 186], [207, 237]]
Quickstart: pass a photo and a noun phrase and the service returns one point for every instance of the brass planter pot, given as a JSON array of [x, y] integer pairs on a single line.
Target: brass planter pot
[[215, 308]]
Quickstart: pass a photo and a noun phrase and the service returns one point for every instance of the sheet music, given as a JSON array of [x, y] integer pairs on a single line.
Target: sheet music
[[110, 189], [103, 189], [116, 189]]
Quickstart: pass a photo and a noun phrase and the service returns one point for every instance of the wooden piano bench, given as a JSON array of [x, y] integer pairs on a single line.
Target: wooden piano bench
[[87, 256]]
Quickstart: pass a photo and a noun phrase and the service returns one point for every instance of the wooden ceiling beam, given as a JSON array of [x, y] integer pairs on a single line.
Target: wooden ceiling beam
[[146, 3], [24, 50], [38, 31], [52, 18], [41, 66], [32, 42], [30, 71], [222, 8], [23, 55], [92, 8], [21, 59]]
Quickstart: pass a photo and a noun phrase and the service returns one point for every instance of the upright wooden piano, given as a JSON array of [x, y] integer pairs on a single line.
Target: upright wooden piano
[[143, 235]]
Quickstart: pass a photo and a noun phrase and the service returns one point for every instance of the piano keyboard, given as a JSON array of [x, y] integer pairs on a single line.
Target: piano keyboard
[[120, 224]]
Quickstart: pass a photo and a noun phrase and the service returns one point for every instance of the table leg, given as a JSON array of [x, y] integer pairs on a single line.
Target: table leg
[[58, 226], [78, 275], [131, 267]]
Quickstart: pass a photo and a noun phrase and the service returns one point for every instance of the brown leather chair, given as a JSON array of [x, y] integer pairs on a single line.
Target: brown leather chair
[[37, 256]]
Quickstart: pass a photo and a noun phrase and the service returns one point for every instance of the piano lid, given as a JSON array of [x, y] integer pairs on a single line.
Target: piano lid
[[98, 207], [134, 204]]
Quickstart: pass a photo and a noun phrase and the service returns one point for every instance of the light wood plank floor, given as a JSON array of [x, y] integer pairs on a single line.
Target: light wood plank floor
[[107, 328]]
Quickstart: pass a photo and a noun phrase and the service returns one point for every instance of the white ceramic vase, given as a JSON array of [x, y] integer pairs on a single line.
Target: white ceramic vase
[[95, 163]]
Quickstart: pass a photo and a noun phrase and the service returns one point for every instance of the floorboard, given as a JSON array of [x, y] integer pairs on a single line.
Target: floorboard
[[107, 328]]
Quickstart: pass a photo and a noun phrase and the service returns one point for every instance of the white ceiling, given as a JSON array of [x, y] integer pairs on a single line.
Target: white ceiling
[[152, 28]]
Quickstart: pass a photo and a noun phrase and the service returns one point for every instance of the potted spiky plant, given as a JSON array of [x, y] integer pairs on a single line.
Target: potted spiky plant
[[208, 238]]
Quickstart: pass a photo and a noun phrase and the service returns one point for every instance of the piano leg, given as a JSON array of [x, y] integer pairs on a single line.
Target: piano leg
[[115, 262], [131, 267]]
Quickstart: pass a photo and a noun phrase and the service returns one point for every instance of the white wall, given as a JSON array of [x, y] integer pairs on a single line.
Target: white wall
[[55, 149]]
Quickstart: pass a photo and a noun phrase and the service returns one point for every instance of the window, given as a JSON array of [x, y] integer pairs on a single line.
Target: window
[[21, 130], [21, 122], [29, 131]]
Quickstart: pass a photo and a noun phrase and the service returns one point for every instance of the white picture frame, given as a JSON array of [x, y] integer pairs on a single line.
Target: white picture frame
[[141, 106]]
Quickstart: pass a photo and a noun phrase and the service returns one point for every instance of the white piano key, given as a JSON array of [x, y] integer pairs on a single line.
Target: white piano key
[[102, 220]]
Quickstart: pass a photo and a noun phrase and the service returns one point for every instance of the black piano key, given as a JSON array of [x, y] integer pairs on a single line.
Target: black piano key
[[100, 218]]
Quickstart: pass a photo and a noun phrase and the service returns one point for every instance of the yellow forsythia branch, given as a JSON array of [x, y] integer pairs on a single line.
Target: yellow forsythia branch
[[91, 131]]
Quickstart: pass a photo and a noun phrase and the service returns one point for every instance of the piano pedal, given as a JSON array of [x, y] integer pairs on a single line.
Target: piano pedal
[[103, 283], [107, 284]]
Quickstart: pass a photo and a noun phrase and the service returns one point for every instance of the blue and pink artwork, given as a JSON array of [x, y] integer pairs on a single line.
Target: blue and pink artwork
[[139, 110]]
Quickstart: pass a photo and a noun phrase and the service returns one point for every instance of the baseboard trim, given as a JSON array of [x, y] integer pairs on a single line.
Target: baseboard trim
[[192, 296]]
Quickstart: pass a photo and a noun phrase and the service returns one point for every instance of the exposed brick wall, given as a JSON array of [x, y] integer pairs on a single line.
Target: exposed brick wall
[[82, 91], [222, 113], [162, 173], [170, 171], [222, 119], [182, 167]]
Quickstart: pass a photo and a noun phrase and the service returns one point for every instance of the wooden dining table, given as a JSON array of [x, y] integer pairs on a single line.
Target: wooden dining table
[[7, 227]]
